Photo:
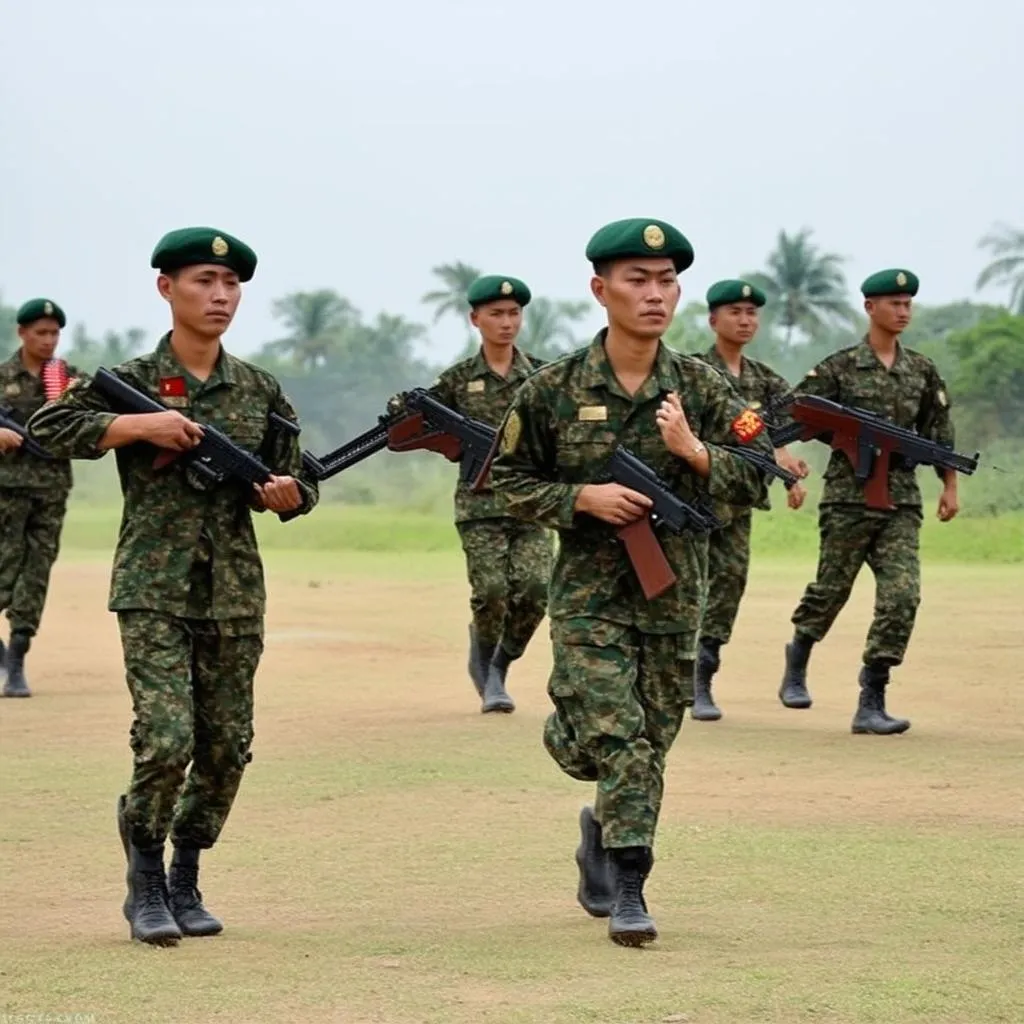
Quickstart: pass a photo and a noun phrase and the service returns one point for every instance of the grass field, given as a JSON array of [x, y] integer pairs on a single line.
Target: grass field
[[396, 857]]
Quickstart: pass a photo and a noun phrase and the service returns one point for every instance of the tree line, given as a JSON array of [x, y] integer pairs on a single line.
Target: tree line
[[339, 368]]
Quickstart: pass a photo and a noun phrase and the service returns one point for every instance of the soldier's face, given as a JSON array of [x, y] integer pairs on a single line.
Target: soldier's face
[[498, 322], [640, 295], [735, 323], [40, 339], [203, 298], [890, 312]]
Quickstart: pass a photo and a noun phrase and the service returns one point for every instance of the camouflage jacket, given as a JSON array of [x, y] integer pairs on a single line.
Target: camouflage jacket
[[473, 389], [911, 395], [564, 424], [169, 527], [758, 385], [21, 394]]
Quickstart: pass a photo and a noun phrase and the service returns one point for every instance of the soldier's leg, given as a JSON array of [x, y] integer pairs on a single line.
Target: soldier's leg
[[894, 558], [485, 544], [529, 571], [42, 543], [846, 536], [15, 508], [158, 658], [728, 565], [227, 655]]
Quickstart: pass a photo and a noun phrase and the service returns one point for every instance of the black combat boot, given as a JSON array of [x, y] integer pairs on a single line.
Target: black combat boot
[[480, 655], [16, 685], [186, 901], [145, 905], [871, 716], [793, 691], [704, 707], [495, 698], [596, 891], [630, 924]]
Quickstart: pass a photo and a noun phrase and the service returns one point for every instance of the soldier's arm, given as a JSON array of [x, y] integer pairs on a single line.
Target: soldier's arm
[[76, 425], [775, 391], [935, 422], [726, 421], [282, 453], [524, 470]]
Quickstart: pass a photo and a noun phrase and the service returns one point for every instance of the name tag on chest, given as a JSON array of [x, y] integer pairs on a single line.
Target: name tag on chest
[[592, 414], [175, 401], [476, 386]]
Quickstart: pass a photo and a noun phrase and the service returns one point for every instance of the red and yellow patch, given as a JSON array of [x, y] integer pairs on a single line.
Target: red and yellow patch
[[747, 425], [173, 387]]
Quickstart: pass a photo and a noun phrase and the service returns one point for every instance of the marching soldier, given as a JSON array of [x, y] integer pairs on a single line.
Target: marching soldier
[[733, 307], [623, 665], [883, 377], [508, 561], [187, 582], [33, 490]]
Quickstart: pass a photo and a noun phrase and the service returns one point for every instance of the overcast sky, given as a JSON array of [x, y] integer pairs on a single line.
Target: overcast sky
[[356, 145]]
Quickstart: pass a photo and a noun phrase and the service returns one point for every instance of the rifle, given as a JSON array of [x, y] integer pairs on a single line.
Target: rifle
[[869, 441], [416, 421], [28, 444], [215, 459], [762, 462], [669, 510]]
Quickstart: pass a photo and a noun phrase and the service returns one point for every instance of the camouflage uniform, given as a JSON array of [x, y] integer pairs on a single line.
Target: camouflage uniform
[[188, 589], [623, 665], [508, 562], [33, 499], [910, 395], [729, 548]]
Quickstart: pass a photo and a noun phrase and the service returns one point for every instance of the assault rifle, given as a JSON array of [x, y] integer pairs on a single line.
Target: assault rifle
[[869, 441], [28, 444], [416, 421], [669, 511], [215, 459]]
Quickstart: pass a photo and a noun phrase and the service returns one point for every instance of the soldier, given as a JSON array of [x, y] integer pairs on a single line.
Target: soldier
[[733, 315], [187, 582], [508, 562], [33, 491], [623, 665], [883, 377]]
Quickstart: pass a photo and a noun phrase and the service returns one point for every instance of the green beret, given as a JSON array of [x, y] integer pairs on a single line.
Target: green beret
[[890, 282], [190, 247], [494, 287], [648, 238], [36, 309], [721, 293]]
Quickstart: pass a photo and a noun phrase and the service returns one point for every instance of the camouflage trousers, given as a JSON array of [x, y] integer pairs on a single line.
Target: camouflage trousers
[[620, 696], [191, 682], [728, 563], [30, 528], [888, 542], [509, 565]]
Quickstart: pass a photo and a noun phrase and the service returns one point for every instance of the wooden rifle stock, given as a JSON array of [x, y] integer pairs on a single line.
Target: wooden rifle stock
[[409, 434], [649, 562], [485, 469]]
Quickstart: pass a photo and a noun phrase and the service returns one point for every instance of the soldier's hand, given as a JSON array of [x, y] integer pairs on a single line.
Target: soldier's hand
[[613, 503], [949, 504], [9, 440], [172, 430], [796, 495], [280, 494], [674, 426], [791, 464]]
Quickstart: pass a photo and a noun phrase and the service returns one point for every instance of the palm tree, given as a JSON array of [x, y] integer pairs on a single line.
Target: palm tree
[[1007, 246], [315, 321], [456, 278], [805, 287], [547, 330]]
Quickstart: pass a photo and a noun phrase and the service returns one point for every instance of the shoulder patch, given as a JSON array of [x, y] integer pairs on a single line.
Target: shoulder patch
[[510, 435], [747, 425]]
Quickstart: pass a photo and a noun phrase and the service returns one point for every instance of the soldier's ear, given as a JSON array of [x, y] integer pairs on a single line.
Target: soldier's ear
[[164, 285], [597, 285]]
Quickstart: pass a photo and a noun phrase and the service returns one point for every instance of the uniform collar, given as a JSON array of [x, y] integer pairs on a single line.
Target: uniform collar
[[167, 365], [597, 372], [866, 359], [520, 366]]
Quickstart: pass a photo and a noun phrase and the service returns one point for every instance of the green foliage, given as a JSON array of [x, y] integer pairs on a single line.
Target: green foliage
[[1006, 244]]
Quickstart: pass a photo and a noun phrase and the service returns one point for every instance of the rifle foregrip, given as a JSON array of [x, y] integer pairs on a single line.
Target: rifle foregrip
[[648, 558]]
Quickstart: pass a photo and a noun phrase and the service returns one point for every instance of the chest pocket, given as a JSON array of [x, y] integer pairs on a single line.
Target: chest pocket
[[246, 430], [488, 406], [583, 450]]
